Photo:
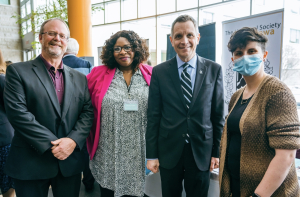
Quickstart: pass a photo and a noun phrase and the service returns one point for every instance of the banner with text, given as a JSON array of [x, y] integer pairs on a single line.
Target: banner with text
[[271, 24]]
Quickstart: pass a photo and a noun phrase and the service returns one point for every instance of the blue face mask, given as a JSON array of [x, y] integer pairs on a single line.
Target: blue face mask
[[247, 65]]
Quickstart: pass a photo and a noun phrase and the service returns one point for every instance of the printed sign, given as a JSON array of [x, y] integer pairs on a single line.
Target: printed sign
[[271, 24]]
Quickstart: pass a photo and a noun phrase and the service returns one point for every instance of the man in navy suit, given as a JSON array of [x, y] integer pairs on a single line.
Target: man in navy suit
[[74, 62]]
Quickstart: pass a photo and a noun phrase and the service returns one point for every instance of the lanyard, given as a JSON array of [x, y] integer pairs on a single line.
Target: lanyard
[[128, 87]]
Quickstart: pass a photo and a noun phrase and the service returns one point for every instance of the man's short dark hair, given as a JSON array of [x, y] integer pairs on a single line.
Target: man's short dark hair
[[138, 46], [240, 38], [182, 19]]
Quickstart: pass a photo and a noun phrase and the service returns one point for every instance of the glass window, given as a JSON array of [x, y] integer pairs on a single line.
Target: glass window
[[129, 9], [146, 8], [164, 24], [38, 22], [28, 8], [293, 5], [291, 53], [23, 11], [38, 3], [29, 29], [24, 28], [207, 17], [165, 6], [29, 55], [98, 16], [112, 11], [207, 2], [186, 4], [25, 56], [146, 29], [5, 2], [291, 67], [96, 1], [223, 12], [50, 2], [260, 6], [295, 36], [100, 34]]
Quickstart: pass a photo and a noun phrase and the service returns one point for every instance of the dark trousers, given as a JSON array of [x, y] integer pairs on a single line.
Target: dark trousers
[[235, 186], [110, 193], [61, 186], [196, 182], [88, 179]]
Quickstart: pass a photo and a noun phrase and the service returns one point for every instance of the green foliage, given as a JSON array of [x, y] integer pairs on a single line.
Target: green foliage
[[96, 8], [52, 9]]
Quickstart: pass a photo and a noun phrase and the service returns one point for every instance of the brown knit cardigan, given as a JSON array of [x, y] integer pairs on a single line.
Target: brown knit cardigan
[[269, 122]]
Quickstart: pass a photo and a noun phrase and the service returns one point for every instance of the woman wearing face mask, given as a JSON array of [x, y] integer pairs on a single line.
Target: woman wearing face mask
[[119, 92], [261, 132]]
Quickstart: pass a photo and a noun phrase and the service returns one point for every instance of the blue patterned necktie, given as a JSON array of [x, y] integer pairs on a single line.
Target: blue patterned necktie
[[186, 85]]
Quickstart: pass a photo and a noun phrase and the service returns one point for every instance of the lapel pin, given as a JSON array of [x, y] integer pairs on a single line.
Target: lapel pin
[[200, 72]]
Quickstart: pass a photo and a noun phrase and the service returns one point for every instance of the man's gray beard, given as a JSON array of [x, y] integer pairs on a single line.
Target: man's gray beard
[[52, 53]]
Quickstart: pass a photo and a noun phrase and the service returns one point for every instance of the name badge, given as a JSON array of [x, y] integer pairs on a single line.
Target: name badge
[[131, 105]]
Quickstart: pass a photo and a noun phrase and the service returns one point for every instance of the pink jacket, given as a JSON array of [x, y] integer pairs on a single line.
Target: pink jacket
[[98, 83]]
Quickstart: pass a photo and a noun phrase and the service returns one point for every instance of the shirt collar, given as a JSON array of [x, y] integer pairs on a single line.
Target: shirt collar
[[49, 66], [119, 72], [138, 72], [192, 62]]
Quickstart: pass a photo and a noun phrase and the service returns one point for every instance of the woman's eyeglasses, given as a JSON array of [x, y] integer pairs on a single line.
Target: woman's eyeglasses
[[119, 49]]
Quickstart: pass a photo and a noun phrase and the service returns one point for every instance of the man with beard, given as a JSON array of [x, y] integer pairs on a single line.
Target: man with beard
[[49, 106]]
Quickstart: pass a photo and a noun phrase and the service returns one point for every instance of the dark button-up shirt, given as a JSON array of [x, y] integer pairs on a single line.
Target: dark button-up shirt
[[57, 79]]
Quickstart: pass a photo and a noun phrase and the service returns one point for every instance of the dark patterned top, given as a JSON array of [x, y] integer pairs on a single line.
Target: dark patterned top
[[119, 162]]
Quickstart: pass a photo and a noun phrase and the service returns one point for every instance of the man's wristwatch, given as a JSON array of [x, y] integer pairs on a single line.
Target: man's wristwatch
[[255, 195]]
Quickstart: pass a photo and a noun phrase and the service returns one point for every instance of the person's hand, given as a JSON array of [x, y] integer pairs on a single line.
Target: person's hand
[[63, 148], [153, 165], [214, 163]]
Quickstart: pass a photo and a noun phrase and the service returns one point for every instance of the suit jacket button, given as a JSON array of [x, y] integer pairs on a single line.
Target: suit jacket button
[[183, 135], [188, 117]]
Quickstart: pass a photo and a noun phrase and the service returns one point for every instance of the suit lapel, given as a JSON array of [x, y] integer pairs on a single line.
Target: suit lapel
[[175, 78], [68, 92], [108, 77], [200, 74], [43, 75]]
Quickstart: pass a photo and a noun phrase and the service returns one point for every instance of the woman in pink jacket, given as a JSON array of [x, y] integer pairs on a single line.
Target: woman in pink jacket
[[119, 93]]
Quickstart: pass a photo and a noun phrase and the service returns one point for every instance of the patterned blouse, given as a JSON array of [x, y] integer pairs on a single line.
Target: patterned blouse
[[119, 162]]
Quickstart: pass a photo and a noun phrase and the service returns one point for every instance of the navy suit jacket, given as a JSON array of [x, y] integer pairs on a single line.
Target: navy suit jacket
[[79, 64], [169, 119]]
